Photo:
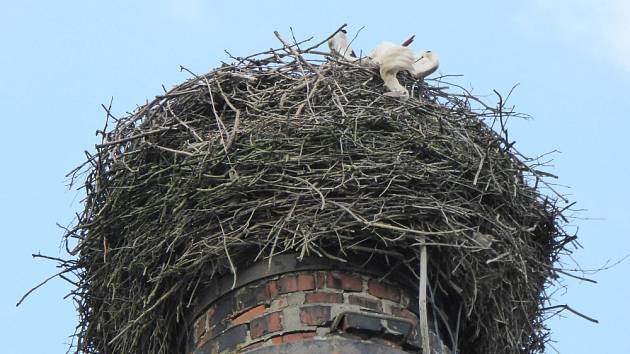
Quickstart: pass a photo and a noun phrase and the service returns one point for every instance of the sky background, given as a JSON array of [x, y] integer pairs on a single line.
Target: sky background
[[59, 61]]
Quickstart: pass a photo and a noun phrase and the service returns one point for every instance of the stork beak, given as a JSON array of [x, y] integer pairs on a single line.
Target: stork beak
[[408, 41]]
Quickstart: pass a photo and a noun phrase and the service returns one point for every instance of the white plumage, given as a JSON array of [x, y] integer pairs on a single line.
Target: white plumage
[[340, 46], [426, 63], [391, 59]]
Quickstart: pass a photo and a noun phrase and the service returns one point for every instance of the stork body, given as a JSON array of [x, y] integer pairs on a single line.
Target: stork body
[[391, 59]]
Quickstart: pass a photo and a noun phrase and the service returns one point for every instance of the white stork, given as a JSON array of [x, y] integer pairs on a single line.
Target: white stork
[[340, 46], [391, 59]]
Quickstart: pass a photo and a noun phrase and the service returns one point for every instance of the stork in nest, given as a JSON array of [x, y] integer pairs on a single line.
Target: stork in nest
[[390, 59], [339, 46]]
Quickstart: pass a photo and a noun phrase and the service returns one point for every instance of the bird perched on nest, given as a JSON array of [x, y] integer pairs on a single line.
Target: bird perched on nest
[[340, 46], [390, 59]]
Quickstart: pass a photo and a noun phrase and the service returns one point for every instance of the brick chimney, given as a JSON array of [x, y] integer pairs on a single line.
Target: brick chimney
[[312, 306]]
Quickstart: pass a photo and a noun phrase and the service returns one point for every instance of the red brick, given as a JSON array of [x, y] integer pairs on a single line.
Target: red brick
[[384, 291], [297, 337], [365, 302], [276, 340], [293, 283], [328, 298], [315, 315], [249, 314], [251, 296], [344, 281], [305, 282], [272, 288], [287, 284], [264, 325]]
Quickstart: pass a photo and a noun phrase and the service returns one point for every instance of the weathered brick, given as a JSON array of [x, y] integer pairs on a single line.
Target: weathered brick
[[287, 284], [232, 337], [262, 293], [320, 297], [359, 323], [272, 289], [293, 283], [315, 315], [264, 325], [305, 282], [252, 296], [396, 330], [344, 281], [249, 314], [384, 291], [297, 337], [365, 302]]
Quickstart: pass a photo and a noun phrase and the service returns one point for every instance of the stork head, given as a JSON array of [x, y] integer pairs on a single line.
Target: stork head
[[339, 36], [340, 46], [431, 57], [426, 63]]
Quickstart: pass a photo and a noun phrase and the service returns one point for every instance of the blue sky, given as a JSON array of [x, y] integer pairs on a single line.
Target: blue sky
[[61, 60]]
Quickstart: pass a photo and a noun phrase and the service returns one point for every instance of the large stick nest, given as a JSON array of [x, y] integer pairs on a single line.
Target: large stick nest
[[293, 151]]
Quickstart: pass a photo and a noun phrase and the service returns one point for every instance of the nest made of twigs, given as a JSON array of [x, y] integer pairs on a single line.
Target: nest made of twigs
[[293, 151]]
